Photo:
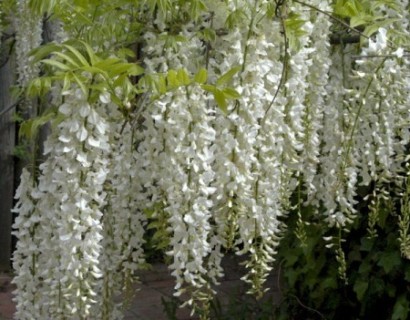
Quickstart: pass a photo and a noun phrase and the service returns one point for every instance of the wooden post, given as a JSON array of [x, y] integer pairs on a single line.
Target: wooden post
[[7, 143]]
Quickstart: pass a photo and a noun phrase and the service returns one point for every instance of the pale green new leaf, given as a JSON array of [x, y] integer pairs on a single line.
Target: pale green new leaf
[[29, 128], [93, 57], [357, 21], [80, 83], [81, 59], [235, 18], [201, 76], [42, 6], [160, 84], [231, 93], [226, 77], [43, 51], [68, 59], [209, 88], [95, 70], [172, 79], [221, 100], [66, 82], [183, 77], [123, 67], [56, 64]]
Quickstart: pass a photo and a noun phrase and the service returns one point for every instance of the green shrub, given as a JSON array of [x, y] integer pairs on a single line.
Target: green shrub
[[377, 285]]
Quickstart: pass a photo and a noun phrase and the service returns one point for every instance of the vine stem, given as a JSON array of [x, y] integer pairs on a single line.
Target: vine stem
[[284, 74], [356, 120]]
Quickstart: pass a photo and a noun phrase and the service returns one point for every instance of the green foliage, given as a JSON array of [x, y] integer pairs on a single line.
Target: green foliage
[[170, 307], [238, 307], [366, 14], [378, 279], [235, 18], [158, 234], [76, 62], [43, 6], [221, 92], [30, 127], [404, 222], [294, 30]]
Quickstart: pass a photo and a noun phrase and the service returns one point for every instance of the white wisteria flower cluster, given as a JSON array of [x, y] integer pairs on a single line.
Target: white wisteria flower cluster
[[176, 155], [245, 114], [68, 201]]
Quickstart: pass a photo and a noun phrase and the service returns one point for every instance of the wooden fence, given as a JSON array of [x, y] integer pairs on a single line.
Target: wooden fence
[[7, 163]]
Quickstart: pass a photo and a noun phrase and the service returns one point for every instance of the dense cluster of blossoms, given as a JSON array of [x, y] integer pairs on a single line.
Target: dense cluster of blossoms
[[67, 214], [176, 154], [213, 164], [123, 225]]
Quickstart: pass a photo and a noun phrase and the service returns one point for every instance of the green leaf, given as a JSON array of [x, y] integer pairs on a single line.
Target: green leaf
[[119, 68], [42, 6], [357, 21], [30, 127], [221, 100], [164, 6], [235, 18], [366, 244], [66, 82], [43, 51], [161, 84], [201, 76], [360, 288], [401, 308], [80, 83], [106, 63], [183, 77], [34, 88], [135, 70], [292, 276], [56, 64], [172, 79], [390, 290], [347, 8], [231, 93], [83, 61], [126, 53], [294, 22], [226, 77], [209, 88], [293, 27], [90, 52], [209, 35], [67, 58], [95, 70], [329, 283], [389, 260]]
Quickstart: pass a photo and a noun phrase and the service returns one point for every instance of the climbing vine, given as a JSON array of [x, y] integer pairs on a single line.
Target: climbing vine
[[202, 121]]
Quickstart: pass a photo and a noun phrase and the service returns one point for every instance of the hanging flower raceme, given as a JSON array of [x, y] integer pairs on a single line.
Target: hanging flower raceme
[[69, 204], [176, 154], [316, 92], [239, 111], [123, 224], [252, 179], [27, 252]]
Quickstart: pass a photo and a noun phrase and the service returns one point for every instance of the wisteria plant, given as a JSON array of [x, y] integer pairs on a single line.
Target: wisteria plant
[[208, 121]]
